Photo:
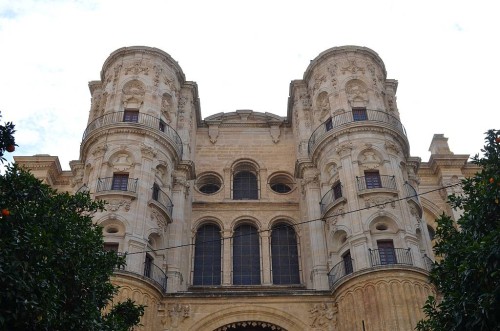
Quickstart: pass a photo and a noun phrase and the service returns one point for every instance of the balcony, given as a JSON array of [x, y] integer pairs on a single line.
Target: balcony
[[331, 198], [412, 195], [140, 120], [376, 182], [162, 201], [149, 271], [379, 258], [340, 270], [338, 121], [390, 256], [111, 184]]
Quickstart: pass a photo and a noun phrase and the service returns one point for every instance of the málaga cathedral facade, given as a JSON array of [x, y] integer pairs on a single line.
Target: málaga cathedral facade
[[318, 221]]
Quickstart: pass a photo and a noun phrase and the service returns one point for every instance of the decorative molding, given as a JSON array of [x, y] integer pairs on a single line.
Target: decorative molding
[[176, 314], [254, 324], [275, 132], [323, 316]]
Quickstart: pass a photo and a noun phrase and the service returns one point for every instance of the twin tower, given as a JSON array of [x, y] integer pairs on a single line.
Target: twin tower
[[253, 221]]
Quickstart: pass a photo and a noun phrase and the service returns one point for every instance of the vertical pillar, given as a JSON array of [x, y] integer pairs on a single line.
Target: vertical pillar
[[226, 257], [312, 192], [180, 192], [266, 258]]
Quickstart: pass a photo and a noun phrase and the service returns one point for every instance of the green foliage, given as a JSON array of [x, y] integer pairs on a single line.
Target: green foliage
[[54, 273], [468, 278], [6, 138]]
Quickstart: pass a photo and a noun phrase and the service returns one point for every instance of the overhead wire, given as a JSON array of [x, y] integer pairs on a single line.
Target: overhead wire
[[298, 223]]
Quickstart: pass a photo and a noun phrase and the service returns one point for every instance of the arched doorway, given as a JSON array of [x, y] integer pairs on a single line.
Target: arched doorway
[[250, 326]]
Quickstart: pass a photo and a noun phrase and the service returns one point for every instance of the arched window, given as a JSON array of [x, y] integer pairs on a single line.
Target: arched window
[[245, 186], [207, 256], [246, 256], [285, 256]]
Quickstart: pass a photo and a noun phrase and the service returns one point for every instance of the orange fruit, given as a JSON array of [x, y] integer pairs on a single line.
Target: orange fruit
[[11, 148], [497, 139], [5, 212], [492, 180]]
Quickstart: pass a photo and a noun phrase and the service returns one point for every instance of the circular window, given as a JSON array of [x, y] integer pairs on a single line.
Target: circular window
[[209, 184], [281, 183], [112, 229]]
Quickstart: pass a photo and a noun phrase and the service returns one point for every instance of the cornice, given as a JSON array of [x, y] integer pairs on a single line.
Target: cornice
[[301, 165]]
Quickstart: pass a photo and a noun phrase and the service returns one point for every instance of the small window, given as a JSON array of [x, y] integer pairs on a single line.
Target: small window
[[156, 192], [162, 126], [432, 233], [111, 247], [209, 183], [386, 251], [337, 190], [328, 124], [347, 260], [281, 183], [120, 182], [148, 265], [131, 116], [372, 179], [359, 114]]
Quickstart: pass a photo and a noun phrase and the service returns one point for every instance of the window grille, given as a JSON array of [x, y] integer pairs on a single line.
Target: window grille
[[246, 256], [359, 114], [207, 256], [285, 256], [131, 116], [245, 186]]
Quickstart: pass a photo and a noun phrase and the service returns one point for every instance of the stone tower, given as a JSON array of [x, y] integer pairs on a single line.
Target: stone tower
[[320, 220]]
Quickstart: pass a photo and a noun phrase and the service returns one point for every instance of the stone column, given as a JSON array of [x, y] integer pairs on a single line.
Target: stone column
[[266, 258], [227, 257], [180, 191], [319, 265]]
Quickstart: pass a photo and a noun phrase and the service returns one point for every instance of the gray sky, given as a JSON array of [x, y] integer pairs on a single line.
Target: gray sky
[[243, 55]]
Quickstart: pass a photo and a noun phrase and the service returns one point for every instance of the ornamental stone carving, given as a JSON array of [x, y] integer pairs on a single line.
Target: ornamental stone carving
[[177, 313], [352, 67], [253, 324], [275, 132], [344, 149], [370, 160], [122, 162], [356, 90], [136, 69], [134, 87], [99, 150], [114, 205], [323, 317], [380, 202]]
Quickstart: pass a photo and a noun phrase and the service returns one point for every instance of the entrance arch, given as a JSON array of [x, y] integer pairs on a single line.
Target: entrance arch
[[250, 318]]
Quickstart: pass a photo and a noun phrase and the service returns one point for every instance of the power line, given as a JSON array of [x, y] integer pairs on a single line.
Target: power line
[[300, 223]]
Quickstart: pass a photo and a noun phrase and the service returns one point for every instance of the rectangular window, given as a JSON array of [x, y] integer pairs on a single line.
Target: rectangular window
[[162, 126], [346, 258], [372, 179], [148, 265], [156, 192], [111, 247], [337, 190], [131, 116], [386, 252], [120, 182], [359, 114], [329, 124]]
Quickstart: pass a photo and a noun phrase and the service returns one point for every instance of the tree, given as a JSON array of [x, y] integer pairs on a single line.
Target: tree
[[468, 277], [54, 272], [7, 142]]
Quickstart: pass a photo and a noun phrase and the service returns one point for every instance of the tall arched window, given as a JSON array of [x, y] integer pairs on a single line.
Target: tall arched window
[[207, 256], [246, 256], [245, 186], [285, 256]]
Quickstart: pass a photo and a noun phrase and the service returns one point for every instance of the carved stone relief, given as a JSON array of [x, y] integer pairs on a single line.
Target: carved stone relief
[[380, 202], [99, 150], [176, 314], [166, 107], [356, 91], [324, 316], [352, 67], [275, 132], [114, 205], [136, 69], [213, 132], [344, 149], [121, 162], [370, 160]]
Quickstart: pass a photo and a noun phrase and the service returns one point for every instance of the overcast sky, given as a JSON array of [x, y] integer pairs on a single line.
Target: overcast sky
[[243, 55]]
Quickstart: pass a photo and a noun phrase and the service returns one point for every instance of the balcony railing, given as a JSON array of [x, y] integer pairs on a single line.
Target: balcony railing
[[341, 269], [142, 120], [329, 198], [150, 271], [428, 263], [163, 199], [107, 184], [390, 256], [348, 117], [383, 181]]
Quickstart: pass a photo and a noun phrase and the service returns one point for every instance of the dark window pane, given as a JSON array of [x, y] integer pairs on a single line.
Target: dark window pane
[[372, 179], [162, 126], [337, 190], [120, 182], [111, 247], [207, 256], [246, 256], [280, 188], [148, 265], [346, 258], [359, 114], [209, 188], [285, 262], [386, 251], [328, 124], [131, 116], [156, 192], [245, 186]]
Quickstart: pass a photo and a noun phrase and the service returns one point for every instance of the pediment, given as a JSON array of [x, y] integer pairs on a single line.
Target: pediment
[[245, 117]]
